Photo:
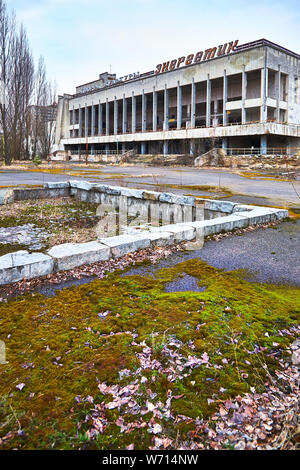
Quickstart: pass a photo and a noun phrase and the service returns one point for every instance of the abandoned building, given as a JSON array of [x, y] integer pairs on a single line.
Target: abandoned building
[[231, 96]]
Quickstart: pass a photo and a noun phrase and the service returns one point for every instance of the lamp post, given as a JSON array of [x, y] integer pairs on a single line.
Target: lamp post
[[86, 151], [117, 142]]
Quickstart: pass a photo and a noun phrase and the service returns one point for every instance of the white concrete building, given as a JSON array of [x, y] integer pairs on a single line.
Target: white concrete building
[[234, 96]]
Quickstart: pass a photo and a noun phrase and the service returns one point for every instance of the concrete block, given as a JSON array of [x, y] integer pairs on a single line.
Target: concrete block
[[123, 244], [221, 224], [176, 199], [17, 266], [152, 195], [282, 214], [219, 206], [70, 255], [81, 185], [160, 238], [262, 215], [185, 200], [110, 190], [181, 232], [57, 185], [242, 208], [83, 195], [128, 192]]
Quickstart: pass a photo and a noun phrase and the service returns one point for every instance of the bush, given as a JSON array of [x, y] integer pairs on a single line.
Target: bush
[[37, 160]]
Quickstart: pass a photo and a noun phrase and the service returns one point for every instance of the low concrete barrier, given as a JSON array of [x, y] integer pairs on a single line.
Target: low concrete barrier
[[23, 265], [70, 255]]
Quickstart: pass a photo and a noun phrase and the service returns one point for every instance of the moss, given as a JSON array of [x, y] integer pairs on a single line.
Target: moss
[[64, 219], [11, 247], [59, 347]]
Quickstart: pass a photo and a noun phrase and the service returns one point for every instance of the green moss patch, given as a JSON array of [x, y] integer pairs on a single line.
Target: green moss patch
[[196, 347]]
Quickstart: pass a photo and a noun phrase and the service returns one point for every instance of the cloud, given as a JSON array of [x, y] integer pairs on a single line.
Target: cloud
[[80, 39]]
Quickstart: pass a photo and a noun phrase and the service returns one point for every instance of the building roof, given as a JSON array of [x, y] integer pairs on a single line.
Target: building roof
[[240, 48], [265, 42]]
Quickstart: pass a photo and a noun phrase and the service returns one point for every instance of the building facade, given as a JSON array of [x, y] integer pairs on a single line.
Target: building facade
[[235, 96]]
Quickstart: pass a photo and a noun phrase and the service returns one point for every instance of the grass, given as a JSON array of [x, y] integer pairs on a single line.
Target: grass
[[61, 349]]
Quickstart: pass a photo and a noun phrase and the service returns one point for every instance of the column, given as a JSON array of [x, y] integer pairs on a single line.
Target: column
[[179, 105], [215, 118], [107, 117], [166, 147], [166, 109], [93, 120], [144, 112], [124, 114], [193, 103], [100, 119], [208, 101], [263, 144], [278, 93], [192, 147], [154, 118], [73, 122], [80, 121], [133, 125], [264, 93], [143, 148], [244, 94], [86, 121], [225, 97], [225, 144], [116, 111]]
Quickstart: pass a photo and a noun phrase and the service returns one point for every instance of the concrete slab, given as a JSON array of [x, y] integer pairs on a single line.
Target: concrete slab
[[70, 255], [176, 199], [161, 238], [21, 265], [123, 244], [181, 232], [57, 185], [220, 206]]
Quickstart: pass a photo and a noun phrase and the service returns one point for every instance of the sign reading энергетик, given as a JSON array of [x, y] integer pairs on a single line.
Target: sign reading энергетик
[[201, 56]]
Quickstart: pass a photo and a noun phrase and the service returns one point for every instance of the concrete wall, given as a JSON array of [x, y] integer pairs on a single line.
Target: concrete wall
[[21, 265]]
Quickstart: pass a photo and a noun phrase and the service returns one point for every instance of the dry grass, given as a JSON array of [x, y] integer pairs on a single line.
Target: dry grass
[[18, 165]]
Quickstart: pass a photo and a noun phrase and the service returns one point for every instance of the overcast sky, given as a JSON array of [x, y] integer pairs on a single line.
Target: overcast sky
[[80, 39]]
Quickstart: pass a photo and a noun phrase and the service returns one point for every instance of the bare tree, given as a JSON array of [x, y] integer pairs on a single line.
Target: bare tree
[[43, 113], [24, 95], [40, 98], [7, 31], [19, 92], [48, 126]]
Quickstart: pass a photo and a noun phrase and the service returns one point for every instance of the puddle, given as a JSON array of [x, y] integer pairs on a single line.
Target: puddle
[[49, 290], [184, 283]]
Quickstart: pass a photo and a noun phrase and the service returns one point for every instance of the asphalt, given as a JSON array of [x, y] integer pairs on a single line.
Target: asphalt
[[267, 191], [265, 255]]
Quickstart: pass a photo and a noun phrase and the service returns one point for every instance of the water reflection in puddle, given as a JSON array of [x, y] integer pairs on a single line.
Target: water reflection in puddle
[[184, 283]]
